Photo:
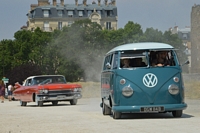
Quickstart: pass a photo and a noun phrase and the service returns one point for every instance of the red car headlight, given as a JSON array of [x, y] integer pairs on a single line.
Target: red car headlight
[[77, 89], [43, 91]]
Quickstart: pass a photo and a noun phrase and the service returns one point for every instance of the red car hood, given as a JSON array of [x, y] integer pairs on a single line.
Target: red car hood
[[60, 86]]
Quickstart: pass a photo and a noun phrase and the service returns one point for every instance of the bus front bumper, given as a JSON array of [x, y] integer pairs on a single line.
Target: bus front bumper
[[150, 108]]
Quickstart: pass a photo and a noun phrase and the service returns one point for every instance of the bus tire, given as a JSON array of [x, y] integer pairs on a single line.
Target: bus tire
[[177, 113], [116, 115], [106, 110]]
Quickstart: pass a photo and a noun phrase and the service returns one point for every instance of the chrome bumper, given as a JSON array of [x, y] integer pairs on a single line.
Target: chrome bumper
[[58, 97]]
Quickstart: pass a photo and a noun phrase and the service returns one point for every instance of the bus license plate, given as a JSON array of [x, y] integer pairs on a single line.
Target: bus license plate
[[152, 109]]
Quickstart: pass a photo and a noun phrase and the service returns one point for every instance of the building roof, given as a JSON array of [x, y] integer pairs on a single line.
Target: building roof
[[80, 6], [185, 30]]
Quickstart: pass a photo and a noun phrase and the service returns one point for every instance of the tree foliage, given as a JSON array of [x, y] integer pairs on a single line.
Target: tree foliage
[[76, 52]]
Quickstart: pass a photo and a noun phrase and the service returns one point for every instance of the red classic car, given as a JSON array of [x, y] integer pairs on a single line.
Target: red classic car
[[47, 88]]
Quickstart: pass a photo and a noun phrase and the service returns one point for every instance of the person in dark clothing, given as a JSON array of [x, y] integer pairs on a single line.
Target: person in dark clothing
[[161, 59], [2, 91]]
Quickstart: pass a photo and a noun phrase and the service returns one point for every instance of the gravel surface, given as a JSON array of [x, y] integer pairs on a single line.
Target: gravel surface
[[86, 117]]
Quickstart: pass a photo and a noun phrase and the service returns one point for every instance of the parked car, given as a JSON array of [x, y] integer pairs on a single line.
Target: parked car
[[47, 88]]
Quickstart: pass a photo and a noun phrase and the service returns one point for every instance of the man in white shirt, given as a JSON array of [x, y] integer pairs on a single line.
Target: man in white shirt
[[10, 87]]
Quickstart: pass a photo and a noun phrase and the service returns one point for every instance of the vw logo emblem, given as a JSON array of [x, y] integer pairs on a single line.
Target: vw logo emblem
[[150, 80]]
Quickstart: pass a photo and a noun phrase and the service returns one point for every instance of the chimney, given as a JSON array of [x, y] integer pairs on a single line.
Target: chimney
[[54, 2], [43, 2], [106, 2], [85, 2], [113, 2], [99, 2], [33, 6], [62, 2], [76, 2]]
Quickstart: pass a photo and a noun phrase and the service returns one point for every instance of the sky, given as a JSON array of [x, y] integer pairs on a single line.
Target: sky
[[158, 14]]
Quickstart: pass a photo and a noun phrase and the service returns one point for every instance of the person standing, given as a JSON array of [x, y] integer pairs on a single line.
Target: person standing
[[2, 91], [10, 89]]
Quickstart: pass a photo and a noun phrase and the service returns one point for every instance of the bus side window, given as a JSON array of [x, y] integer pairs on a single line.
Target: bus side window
[[108, 59], [171, 58], [115, 61]]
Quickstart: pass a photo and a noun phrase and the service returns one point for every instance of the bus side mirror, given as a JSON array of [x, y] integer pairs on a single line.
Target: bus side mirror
[[108, 66], [186, 63]]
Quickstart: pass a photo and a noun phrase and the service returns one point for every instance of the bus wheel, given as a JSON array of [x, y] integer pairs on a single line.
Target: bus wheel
[[106, 110], [177, 113], [116, 115]]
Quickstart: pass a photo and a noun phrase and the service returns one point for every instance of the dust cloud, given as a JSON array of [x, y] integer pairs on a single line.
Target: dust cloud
[[79, 50]]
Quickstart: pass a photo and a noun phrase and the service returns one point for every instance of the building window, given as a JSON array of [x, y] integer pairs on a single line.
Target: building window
[[70, 23], [99, 12], [70, 13], [80, 13], [46, 26], [33, 14], [60, 13], [89, 12], [108, 25], [109, 13], [60, 25], [185, 36], [46, 13]]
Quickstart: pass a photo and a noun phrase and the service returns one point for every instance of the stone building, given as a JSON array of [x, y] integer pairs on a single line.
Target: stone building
[[184, 35], [50, 16], [195, 39]]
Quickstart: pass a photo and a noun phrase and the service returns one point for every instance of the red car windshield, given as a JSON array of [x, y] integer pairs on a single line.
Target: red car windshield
[[48, 80]]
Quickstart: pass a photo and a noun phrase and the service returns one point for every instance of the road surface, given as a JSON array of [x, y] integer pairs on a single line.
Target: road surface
[[86, 117]]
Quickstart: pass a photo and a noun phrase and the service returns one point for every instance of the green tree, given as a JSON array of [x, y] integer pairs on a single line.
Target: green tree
[[75, 51], [153, 35], [6, 56], [132, 32]]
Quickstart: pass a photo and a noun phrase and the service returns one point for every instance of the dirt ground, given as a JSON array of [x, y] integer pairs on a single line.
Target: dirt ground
[[87, 117]]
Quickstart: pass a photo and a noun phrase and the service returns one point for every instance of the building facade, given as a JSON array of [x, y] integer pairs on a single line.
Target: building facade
[[185, 35], [50, 16], [195, 39]]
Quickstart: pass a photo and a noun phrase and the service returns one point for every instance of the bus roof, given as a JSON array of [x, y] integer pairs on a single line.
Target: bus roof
[[141, 46]]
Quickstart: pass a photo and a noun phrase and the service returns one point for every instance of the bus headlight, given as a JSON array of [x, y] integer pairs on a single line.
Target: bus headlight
[[173, 89], [127, 91]]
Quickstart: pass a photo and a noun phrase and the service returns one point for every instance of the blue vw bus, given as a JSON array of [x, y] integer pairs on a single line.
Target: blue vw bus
[[151, 82]]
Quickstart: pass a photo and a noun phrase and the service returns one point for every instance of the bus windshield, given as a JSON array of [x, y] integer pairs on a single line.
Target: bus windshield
[[142, 58]]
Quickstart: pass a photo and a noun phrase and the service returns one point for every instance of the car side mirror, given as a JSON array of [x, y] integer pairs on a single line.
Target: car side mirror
[[186, 63], [108, 66]]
